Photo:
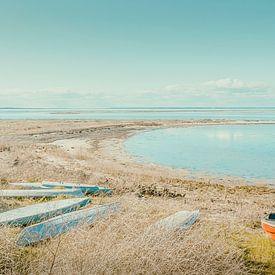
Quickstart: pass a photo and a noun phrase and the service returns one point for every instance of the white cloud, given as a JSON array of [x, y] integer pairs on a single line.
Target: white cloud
[[235, 85], [221, 92]]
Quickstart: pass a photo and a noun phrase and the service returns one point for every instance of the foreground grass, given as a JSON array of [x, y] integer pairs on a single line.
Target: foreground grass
[[259, 252], [122, 244]]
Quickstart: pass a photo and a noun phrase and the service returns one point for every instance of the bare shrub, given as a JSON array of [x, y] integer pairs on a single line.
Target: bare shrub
[[5, 147]]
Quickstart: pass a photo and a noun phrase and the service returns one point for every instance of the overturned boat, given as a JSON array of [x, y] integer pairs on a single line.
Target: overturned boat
[[85, 188], [40, 193], [40, 211], [28, 185], [180, 220], [63, 223]]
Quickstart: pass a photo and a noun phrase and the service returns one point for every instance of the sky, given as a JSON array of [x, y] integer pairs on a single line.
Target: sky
[[117, 53]]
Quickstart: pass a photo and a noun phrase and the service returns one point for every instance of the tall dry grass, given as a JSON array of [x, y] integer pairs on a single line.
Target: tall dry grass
[[14, 260], [121, 244]]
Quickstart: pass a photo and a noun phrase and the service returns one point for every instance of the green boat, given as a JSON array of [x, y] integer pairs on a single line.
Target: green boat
[[28, 185], [40, 193], [85, 188], [61, 224], [179, 220], [37, 212]]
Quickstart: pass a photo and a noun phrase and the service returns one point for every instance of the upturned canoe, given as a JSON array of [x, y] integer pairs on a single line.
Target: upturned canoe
[[179, 220], [37, 212], [64, 223], [29, 185], [85, 188], [40, 193]]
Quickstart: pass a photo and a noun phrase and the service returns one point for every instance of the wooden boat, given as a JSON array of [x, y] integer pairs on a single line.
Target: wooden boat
[[268, 225], [40, 211], [85, 188], [63, 223], [40, 193], [29, 185], [180, 220]]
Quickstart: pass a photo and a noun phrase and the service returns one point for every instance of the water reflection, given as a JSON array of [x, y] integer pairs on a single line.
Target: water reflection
[[225, 135], [236, 150]]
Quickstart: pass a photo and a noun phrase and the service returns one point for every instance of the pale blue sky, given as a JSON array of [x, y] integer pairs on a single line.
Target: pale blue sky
[[87, 53]]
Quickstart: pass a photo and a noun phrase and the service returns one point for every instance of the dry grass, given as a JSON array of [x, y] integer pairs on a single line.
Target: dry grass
[[12, 259], [82, 154], [260, 252], [120, 244]]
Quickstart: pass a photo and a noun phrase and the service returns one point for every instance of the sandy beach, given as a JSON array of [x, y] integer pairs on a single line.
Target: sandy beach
[[92, 152]]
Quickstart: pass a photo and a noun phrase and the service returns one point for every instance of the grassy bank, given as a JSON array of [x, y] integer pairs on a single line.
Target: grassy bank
[[122, 243]]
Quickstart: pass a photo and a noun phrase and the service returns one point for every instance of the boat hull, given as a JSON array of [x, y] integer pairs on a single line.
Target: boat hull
[[28, 185], [180, 220], [62, 224], [85, 188], [269, 228], [40, 193], [40, 211]]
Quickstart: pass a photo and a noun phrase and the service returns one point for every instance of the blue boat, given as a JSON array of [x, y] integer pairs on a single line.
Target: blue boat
[[40, 211], [85, 188], [180, 220], [40, 193], [61, 224], [28, 185]]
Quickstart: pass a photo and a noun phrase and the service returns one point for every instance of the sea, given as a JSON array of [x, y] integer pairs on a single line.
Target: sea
[[228, 113]]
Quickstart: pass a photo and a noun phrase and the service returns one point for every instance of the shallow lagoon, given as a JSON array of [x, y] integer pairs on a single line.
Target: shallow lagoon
[[234, 150]]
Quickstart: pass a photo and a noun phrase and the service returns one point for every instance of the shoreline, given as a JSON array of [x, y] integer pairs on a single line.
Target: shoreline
[[217, 178], [115, 150]]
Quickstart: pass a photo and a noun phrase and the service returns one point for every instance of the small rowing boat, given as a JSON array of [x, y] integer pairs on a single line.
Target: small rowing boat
[[28, 185], [40, 211], [180, 220], [268, 225], [61, 224], [40, 193], [85, 188]]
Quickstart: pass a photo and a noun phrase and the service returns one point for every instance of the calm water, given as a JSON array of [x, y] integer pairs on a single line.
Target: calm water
[[236, 150], [141, 113]]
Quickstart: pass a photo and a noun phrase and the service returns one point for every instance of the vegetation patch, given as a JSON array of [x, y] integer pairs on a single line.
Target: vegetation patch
[[259, 253]]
